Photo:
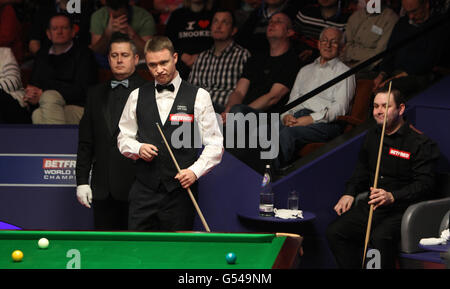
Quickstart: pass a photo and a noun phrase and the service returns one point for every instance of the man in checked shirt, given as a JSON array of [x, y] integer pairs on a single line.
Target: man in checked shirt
[[219, 68]]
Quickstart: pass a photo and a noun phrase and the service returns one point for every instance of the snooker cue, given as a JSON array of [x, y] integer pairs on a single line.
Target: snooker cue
[[377, 170], [197, 208]]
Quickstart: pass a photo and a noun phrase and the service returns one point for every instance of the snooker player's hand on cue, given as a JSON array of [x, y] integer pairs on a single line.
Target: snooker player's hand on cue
[[379, 197], [186, 178], [344, 204], [147, 152]]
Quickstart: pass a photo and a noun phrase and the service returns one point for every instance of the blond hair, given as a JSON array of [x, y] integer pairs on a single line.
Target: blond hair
[[158, 43]]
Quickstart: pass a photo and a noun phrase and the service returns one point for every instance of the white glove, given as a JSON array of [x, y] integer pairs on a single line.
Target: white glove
[[84, 195]]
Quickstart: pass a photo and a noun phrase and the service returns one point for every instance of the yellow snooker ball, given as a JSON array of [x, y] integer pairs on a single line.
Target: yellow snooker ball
[[17, 256]]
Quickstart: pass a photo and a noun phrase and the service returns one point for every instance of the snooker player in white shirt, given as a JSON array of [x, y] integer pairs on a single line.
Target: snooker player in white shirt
[[158, 199]]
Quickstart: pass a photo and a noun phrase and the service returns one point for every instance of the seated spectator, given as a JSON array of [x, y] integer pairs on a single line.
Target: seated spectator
[[417, 64], [367, 35], [252, 34], [311, 20], [404, 181], [119, 16], [165, 8], [314, 120], [247, 7], [189, 29], [267, 77], [11, 31], [218, 69], [60, 76], [13, 109], [41, 17]]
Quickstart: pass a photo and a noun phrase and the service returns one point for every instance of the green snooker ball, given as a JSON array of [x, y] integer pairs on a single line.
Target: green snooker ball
[[231, 258]]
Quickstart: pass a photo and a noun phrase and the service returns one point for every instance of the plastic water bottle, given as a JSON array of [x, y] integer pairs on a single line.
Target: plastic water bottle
[[266, 197]]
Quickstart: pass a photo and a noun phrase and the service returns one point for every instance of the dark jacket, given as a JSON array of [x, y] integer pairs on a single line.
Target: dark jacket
[[112, 173]]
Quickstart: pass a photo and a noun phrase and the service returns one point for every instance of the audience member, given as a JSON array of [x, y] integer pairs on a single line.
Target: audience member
[[189, 29], [13, 108], [314, 120], [218, 69], [252, 34], [47, 9], [267, 77], [165, 8], [60, 76], [247, 7], [113, 174], [415, 65], [311, 20], [119, 16], [367, 34], [11, 31]]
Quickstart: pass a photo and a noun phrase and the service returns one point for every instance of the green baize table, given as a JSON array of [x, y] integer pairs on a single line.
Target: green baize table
[[148, 250]]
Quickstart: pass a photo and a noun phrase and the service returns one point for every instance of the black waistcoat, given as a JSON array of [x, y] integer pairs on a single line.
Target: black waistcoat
[[162, 168]]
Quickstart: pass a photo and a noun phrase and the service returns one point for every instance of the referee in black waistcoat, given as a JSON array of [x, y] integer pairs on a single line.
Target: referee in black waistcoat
[[112, 173], [158, 198]]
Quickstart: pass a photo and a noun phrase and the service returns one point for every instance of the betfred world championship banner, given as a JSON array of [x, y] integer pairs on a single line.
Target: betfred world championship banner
[[37, 170]]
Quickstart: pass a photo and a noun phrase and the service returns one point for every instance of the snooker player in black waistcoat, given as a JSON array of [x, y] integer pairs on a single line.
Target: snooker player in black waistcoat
[[112, 173], [158, 198]]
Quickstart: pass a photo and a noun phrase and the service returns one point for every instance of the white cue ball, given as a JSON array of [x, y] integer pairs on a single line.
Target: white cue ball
[[43, 243]]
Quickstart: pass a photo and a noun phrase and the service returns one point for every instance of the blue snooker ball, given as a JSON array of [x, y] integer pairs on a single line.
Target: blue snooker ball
[[231, 258]]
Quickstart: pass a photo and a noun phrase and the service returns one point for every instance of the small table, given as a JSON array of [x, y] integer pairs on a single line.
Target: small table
[[307, 216], [272, 224]]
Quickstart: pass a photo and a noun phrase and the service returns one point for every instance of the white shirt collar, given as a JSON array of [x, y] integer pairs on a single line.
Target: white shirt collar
[[176, 83], [51, 51], [330, 63]]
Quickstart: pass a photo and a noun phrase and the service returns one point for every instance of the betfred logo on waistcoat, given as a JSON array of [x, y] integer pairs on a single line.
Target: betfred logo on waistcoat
[[399, 153], [181, 117]]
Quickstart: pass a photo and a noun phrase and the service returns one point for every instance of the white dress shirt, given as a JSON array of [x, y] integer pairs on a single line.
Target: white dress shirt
[[330, 103], [204, 114]]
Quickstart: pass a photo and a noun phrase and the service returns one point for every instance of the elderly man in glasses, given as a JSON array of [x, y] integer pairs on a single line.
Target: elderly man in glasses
[[315, 119]]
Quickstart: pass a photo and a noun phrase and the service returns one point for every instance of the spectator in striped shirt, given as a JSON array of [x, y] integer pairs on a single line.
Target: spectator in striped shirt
[[310, 22], [13, 109], [218, 69]]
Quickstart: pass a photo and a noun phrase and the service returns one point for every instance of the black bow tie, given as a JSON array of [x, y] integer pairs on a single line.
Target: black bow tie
[[161, 87]]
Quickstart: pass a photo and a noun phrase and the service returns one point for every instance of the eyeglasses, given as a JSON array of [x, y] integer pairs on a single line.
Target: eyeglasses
[[332, 42]]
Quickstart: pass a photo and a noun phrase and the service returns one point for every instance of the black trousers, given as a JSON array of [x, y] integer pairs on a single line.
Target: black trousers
[[110, 214], [346, 235], [11, 111], [160, 210]]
